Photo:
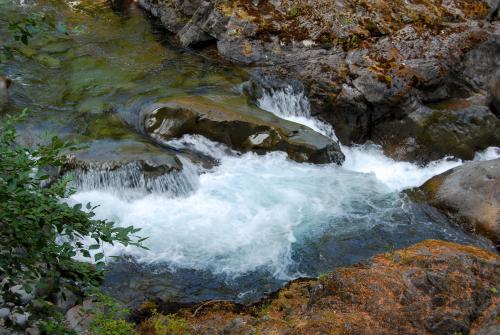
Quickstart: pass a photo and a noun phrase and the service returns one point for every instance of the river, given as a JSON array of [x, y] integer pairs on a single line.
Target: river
[[236, 230]]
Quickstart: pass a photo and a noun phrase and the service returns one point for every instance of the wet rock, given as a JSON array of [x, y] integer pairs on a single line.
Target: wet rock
[[366, 66], [384, 296], [128, 164], [469, 195], [112, 155], [458, 127], [240, 127]]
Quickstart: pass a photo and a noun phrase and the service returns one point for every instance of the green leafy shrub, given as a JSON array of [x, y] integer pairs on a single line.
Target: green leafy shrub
[[39, 233]]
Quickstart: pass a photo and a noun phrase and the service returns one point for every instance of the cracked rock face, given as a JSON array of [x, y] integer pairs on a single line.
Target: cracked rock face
[[365, 64]]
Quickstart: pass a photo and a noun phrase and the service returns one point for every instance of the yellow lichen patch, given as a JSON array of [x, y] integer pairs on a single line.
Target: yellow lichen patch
[[247, 49]]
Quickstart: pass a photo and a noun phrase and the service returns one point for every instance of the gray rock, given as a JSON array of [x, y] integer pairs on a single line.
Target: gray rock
[[20, 319], [79, 317], [66, 299], [24, 297], [490, 323], [33, 331], [364, 73], [494, 95], [470, 196], [458, 127], [240, 127], [4, 312]]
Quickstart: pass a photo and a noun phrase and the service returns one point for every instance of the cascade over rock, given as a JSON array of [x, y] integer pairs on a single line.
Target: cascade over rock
[[368, 66], [240, 127], [123, 164]]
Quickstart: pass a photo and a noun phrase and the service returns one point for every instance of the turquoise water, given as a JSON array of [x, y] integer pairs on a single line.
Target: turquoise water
[[237, 230]]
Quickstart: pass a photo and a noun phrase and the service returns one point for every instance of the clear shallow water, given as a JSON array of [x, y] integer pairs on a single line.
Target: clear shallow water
[[247, 225]]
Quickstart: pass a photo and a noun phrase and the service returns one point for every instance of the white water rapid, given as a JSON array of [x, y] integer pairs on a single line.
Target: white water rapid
[[254, 212]]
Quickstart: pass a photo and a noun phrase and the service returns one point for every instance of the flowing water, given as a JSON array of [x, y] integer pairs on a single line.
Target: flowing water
[[232, 231]]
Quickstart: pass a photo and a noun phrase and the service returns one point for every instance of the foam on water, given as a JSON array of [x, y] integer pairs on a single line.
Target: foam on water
[[251, 212], [368, 158], [129, 181], [245, 215]]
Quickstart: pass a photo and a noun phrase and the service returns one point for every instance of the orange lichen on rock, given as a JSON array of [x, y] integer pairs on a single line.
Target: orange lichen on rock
[[433, 287]]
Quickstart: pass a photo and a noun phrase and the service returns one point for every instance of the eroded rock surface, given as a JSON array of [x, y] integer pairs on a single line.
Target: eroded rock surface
[[470, 196], [433, 287], [365, 64], [238, 126]]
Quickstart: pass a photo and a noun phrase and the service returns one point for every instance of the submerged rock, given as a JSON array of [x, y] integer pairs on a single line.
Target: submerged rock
[[469, 195], [433, 287], [240, 127]]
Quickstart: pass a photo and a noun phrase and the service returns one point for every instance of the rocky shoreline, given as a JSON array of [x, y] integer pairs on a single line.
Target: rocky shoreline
[[433, 287], [419, 79]]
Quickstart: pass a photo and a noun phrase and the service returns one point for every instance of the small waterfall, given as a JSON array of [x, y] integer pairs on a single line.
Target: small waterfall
[[131, 180], [285, 102], [292, 104]]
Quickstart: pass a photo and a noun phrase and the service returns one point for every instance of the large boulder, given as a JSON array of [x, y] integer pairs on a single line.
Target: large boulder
[[433, 287], [469, 195], [458, 127], [239, 126]]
